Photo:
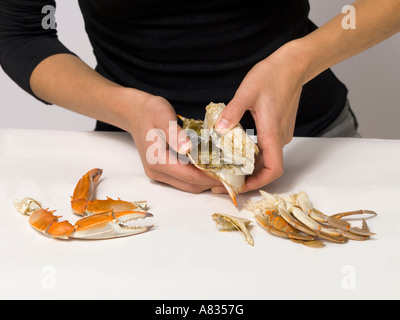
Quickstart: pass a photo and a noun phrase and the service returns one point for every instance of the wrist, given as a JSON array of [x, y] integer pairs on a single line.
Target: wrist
[[300, 58], [125, 104]]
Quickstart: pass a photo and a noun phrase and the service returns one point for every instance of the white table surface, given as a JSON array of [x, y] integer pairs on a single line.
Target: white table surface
[[185, 256]]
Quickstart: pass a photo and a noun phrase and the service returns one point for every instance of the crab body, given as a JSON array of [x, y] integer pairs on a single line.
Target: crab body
[[229, 157]]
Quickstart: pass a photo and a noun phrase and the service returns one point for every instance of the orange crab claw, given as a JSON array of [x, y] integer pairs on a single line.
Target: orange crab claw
[[41, 219], [46, 222], [110, 225], [99, 226], [83, 205], [60, 230], [84, 190], [99, 206], [105, 219]]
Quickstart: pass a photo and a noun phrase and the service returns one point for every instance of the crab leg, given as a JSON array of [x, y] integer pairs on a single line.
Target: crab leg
[[83, 205], [359, 234], [47, 223], [109, 225], [327, 233], [347, 227], [300, 220], [278, 203], [295, 223], [305, 204], [277, 226], [298, 212], [99, 206], [352, 213], [84, 191], [334, 221], [96, 227]]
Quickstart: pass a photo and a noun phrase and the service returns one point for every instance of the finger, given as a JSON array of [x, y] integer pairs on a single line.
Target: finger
[[231, 115], [271, 167], [175, 136], [261, 177], [219, 190], [185, 172], [179, 184]]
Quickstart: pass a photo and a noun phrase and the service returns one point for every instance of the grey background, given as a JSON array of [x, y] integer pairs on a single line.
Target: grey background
[[372, 77]]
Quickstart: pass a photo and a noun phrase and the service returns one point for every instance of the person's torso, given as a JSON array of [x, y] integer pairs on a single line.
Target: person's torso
[[189, 52]]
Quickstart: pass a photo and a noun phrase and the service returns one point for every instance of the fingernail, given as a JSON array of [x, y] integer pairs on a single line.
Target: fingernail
[[222, 126], [184, 146]]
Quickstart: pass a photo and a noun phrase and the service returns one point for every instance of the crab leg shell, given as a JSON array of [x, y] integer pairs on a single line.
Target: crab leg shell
[[358, 236], [100, 206], [285, 211], [365, 225], [351, 213], [342, 228], [46, 222], [86, 185], [99, 226], [295, 223], [363, 232], [41, 219], [241, 225], [288, 232], [84, 190], [302, 200], [332, 221], [263, 222], [109, 225], [347, 227], [227, 222], [61, 230], [125, 216], [326, 233], [348, 230], [277, 229]]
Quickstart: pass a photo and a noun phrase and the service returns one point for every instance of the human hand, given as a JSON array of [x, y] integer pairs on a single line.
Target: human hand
[[158, 137], [271, 92]]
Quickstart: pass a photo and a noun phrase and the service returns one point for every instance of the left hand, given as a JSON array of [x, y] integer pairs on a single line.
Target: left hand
[[271, 92]]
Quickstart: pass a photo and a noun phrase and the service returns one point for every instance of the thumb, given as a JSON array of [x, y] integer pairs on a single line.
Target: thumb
[[174, 135], [177, 138], [230, 116]]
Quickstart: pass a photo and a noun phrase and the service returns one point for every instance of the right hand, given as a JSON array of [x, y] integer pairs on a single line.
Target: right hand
[[157, 113]]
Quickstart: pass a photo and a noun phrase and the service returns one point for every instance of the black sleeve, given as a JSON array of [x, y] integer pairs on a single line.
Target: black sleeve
[[24, 43]]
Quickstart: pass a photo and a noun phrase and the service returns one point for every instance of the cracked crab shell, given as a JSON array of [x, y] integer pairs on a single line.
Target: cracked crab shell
[[228, 223], [229, 157]]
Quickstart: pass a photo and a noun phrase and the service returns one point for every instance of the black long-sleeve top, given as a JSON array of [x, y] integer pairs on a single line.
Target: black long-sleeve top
[[189, 52]]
